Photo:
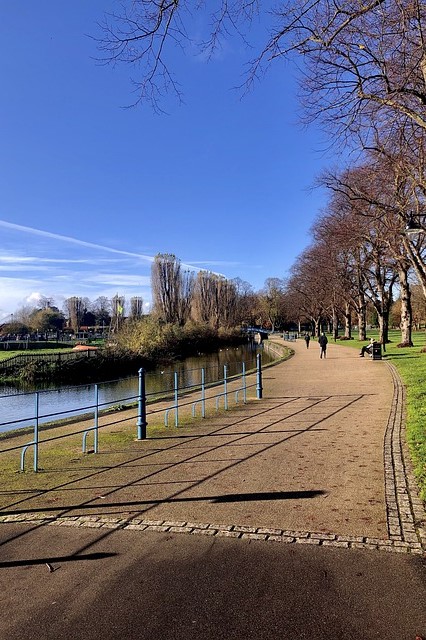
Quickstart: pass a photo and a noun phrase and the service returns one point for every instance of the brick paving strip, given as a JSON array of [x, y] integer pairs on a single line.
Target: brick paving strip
[[406, 518]]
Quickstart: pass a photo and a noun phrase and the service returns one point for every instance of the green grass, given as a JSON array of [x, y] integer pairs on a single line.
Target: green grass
[[411, 366]]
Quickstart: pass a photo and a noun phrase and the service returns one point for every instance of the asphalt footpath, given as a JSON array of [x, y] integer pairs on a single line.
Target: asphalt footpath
[[295, 516]]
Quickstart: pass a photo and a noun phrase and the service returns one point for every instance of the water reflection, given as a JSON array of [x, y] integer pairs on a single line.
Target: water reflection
[[18, 409]]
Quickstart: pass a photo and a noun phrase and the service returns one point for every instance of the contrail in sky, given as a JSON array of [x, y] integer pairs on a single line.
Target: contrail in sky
[[82, 243], [91, 245]]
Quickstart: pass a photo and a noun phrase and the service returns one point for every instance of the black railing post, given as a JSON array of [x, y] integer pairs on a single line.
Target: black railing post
[[141, 422], [259, 389]]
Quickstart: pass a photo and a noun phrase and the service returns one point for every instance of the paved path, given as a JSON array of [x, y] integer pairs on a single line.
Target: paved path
[[319, 458], [318, 463]]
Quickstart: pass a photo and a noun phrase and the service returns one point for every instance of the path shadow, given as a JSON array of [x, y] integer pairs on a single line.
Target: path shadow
[[227, 497], [269, 420], [56, 559]]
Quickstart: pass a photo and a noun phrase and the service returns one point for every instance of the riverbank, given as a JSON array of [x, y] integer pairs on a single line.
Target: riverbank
[[60, 442], [117, 359]]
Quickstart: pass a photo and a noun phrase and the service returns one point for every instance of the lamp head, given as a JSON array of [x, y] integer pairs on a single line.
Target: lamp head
[[412, 227]]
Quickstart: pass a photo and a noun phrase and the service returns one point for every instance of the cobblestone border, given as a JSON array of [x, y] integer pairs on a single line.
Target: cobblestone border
[[406, 516], [221, 531]]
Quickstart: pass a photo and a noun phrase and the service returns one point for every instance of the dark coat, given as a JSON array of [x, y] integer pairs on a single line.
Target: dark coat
[[322, 341]]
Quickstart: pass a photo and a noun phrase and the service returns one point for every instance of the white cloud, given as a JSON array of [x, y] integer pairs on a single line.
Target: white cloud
[[34, 298]]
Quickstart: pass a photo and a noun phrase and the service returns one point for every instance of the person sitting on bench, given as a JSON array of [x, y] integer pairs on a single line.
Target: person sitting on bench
[[367, 348]]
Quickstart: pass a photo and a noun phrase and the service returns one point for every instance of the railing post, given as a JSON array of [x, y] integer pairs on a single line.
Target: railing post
[[141, 422], [225, 386], [203, 392], [95, 443], [37, 403], [243, 375], [176, 378], [259, 388]]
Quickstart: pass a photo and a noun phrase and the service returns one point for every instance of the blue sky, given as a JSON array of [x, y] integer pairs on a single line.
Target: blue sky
[[90, 191]]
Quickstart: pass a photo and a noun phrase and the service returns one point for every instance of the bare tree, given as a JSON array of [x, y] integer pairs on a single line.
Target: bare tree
[[362, 60], [146, 34], [165, 284], [172, 289], [374, 193], [247, 302], [272, 299], [227, 301], [215, 300], [75, 308], [203, 301], [136, 307], [102, 310], [311, 287]]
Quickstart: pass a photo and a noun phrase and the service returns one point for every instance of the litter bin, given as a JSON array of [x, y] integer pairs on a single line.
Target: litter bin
[[376, 353]]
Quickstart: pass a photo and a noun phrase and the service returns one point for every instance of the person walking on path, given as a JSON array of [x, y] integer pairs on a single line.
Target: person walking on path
[[307, 339], [322, 341]]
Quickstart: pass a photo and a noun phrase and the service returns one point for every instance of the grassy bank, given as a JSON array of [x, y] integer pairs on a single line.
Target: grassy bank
[[410, 363]]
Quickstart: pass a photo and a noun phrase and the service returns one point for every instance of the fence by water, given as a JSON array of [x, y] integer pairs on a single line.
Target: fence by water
[[226, 388], [140, 392]]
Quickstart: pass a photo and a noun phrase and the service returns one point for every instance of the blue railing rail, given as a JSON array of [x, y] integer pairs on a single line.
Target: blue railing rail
[[182, 395]]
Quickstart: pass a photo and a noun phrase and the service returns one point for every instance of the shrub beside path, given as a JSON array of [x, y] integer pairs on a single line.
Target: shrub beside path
[[320, 459]]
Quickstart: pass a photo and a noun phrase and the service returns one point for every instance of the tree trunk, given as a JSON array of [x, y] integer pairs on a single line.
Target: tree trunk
[[335, 324], [416, 260], [348, 322], [384, 328], [406, 309], [317, 326], [362, 317]]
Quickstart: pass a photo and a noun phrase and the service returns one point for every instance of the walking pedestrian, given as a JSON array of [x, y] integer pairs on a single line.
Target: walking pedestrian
[[322, 341], [307, 338]]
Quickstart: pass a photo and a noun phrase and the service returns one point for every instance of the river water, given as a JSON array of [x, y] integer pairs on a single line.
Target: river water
[[18, 409]]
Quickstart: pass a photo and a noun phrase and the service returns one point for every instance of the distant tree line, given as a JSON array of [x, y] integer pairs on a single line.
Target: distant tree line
[[336, 285], [77, 312]]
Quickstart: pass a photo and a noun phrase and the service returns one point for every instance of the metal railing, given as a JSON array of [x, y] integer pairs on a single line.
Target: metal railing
[[191, 395], [22, 359]]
